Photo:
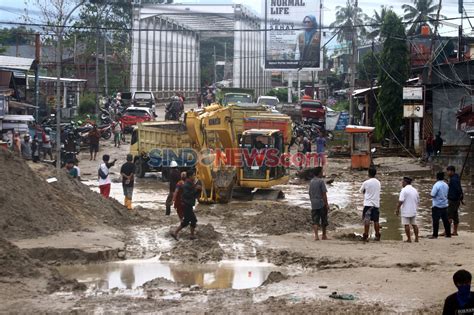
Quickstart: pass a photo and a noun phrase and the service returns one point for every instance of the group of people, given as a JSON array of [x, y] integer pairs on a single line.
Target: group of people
[[305, 144], [183, 190], [447, 197], [32, 149], [433, 145]]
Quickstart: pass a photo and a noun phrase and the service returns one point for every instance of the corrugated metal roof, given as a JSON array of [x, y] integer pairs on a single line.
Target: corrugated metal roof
[[10, 63]]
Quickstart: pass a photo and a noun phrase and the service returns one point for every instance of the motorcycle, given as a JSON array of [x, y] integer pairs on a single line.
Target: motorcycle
[[174, 110], [105, 131]]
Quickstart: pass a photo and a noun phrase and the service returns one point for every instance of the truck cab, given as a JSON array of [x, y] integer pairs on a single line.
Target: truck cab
[[313, 111], [264, 168], [236, 98]]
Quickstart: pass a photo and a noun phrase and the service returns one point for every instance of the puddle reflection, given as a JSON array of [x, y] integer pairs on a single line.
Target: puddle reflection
[[131, 274]]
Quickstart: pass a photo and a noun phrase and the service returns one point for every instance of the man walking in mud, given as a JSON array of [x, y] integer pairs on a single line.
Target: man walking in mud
[[319, 203], [174, 177], [190, 193], [128, 178], [407, 206], [371, 190]]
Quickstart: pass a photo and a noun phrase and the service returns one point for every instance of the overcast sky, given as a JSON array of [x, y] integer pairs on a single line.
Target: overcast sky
[[11, 10]]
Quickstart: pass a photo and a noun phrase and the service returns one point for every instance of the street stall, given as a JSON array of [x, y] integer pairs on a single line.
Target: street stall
[[359, 142]]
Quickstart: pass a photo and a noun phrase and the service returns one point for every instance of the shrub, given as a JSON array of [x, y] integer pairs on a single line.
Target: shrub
[[87, 104]]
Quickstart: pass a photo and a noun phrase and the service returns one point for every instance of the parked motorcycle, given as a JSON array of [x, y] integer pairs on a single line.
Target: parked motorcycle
[[174, 110]]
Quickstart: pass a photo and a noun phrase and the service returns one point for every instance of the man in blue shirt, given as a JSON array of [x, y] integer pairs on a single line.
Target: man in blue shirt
[[320, 148], [439, 193], [455, 197]]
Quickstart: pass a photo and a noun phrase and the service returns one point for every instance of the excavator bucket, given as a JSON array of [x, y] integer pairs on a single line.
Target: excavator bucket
[[224, 180], [268, 194]]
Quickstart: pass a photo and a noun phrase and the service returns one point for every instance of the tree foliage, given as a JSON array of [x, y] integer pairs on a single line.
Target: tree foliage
[[377, 20], [394, 71], [368, 69], [421, 12], [53, 14], [16, 35], [207, 57], [87, 104], [109, 24], [346, 18]]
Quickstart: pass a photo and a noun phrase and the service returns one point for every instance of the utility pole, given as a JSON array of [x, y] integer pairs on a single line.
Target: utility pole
[[59, 52], [430, 71], [97, 70], [215, 66], [353, 64], [106, 78], [37, 66]]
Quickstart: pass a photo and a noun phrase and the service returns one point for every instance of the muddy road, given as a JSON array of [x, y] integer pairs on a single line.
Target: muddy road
[[259, 256]]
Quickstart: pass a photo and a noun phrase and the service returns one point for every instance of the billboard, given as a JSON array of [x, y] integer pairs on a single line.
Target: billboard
[[293, 34]]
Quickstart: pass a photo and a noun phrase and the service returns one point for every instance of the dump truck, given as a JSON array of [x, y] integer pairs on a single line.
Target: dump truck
[[216, 129], [150, 139]]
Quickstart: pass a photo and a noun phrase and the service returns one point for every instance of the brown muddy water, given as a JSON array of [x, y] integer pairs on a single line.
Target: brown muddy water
[[151, 193], [131, 274]]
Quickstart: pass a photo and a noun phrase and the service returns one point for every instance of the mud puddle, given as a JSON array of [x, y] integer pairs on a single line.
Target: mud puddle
[[131, 274], [339, 193], [149, 193]]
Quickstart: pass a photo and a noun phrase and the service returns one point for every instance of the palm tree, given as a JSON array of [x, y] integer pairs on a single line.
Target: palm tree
[[346, 18], [377, 20], [422, 12]]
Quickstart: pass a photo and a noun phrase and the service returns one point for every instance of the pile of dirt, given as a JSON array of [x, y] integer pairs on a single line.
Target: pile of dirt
[[17, 266], [203, 249], [13, 263], [274, 277], [284, 257], [277, 219], [343, 217], [30, 207]]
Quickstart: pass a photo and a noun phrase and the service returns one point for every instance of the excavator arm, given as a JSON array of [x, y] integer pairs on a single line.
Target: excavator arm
[[217, 179]]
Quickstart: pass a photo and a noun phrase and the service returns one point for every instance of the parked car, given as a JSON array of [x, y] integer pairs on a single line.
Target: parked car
[[268, 101], [144, 99], [134, 115]]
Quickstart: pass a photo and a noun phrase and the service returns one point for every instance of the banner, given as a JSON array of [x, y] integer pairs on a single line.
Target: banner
[[293, 34]]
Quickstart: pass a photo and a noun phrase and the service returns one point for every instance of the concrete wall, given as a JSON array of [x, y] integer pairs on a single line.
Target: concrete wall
[[165, 57], [445, 105]]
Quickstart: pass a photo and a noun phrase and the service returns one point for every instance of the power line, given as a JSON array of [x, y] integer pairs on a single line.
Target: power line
[[203, 30]]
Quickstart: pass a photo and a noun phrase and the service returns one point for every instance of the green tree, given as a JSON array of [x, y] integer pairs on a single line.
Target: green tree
[[368, 69], [207, 57], [421, 12], [16, 35], [377, 20], [346, 18], [107, 23], [394, 71]]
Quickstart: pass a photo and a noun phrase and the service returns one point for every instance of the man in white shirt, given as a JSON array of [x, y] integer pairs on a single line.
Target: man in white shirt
[[104, 176], [407, 206], [371, 190]]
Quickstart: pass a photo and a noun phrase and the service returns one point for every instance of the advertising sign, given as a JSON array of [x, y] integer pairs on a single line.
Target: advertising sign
[[293, 34], [413, 93], [413, 111]]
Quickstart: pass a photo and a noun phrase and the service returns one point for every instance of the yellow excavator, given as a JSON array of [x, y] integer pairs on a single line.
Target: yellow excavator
[[236, 129]]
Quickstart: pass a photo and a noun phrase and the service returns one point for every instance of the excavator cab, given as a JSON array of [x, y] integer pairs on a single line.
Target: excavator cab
[[262, 165]]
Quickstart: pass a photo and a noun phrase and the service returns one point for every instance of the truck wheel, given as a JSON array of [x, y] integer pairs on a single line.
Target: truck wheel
[[140, 168]]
